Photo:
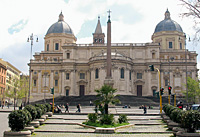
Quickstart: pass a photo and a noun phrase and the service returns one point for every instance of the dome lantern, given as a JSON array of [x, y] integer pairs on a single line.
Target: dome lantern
[[60, 27], [168, 24]]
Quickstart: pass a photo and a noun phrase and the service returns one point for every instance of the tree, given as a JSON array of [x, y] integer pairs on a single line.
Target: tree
[[193, 90], [193, 11], [106, 96], [19, 89], [12, 93], [24, 87]]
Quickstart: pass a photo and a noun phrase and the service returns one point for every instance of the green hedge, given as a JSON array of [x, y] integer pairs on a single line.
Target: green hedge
[[188, 119]]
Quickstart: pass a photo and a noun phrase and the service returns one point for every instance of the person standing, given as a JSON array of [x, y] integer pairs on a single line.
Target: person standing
[[145, 109], [2, 105], [79, 108], [67, 108], [180, 105]]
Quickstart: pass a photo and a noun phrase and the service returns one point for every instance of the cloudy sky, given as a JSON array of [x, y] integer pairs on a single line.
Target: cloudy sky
[[133, 21]]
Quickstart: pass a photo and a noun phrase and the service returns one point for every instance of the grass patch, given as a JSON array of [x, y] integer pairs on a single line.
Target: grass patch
[[97, 124]]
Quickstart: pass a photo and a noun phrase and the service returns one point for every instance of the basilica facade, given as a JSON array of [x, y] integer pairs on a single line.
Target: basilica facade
[[78, 69]]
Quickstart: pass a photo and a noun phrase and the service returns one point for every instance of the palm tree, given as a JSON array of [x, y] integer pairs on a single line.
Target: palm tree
[[106, 96]]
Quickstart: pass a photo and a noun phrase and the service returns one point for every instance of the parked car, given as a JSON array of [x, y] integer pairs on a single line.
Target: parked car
[[195, 107]]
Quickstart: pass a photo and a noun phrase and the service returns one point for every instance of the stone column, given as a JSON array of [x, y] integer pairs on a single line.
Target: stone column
[[62, 82], [51, 80], [39, 80]]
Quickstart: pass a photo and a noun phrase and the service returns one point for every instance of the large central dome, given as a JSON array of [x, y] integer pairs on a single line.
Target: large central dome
[[168, 24], [60, 27]]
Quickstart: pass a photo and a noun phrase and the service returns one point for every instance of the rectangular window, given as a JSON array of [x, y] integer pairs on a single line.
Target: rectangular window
[[82, 75], [139, 75], [170, 45], [166, 82], [34, 83], [67, 75], [181, 46], [68, 55], [56, 46], [47, 47], [56, 82], [153, 55], [130, 75]]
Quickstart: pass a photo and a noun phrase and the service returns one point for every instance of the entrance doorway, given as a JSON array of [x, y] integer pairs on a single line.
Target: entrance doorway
[[67, 92], [82, 90], [139, 90]]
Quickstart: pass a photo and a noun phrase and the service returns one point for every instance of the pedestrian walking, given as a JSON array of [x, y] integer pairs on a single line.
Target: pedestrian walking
[[145, 109], [67, 108], [90, 103], [2, 105], [79, 108], [20, 107]]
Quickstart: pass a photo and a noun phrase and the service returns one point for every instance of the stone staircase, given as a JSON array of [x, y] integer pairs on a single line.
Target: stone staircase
[[125, 100]]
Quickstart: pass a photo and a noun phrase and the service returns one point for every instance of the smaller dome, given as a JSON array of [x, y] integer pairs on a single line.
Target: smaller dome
[[60, 27], [168, 24]]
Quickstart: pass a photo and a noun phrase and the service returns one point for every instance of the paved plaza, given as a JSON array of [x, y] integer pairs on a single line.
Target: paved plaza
[[62, 125]]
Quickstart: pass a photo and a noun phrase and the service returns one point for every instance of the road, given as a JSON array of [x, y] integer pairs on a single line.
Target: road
[[4, 123]]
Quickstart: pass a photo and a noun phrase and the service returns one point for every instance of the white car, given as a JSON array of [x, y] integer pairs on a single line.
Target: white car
[[195, 107]]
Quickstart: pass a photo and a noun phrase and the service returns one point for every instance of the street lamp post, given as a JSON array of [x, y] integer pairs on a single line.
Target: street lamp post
[[186, 69], [30, 39]]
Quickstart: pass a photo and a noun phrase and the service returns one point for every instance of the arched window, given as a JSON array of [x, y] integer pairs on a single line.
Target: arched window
[[96, 73], [122, 73]]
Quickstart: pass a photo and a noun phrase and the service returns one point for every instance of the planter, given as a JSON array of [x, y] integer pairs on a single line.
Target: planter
[[165, 118], [31, 128], [50, 114], [44, 117], [173, 124], [185, 134], [105, 130], [41, 120], [35, 124], [176, 129], [17, 134]]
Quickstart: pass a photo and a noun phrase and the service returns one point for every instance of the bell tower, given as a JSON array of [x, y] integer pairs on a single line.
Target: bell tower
[[98, 36]]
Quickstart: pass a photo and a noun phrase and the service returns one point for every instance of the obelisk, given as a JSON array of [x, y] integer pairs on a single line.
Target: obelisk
[[108, 79]]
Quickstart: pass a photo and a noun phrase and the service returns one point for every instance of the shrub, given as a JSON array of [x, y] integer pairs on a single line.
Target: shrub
[[165, 107], [48, 106], [179, 116], [32, 110], [174, 113], [92, 117], [107, 119], [169, 110], [190, 120], [122, 118], [39, 112], [42, 107], [28, 117], [17, 120]]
